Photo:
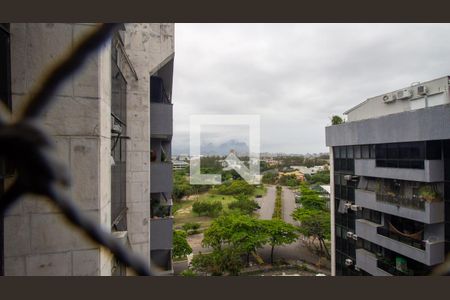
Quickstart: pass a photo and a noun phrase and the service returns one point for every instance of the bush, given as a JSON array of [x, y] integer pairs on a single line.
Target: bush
[[235, 187], [218, 262], [244, 204], [207, 208], [181, 247], [191, 228], [188, 273], [277, 212]]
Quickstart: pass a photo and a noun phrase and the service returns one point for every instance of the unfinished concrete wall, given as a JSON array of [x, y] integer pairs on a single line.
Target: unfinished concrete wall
[[147, 46], [38, 240]]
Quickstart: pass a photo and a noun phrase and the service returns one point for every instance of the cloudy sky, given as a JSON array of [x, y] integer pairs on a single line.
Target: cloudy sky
[[295, 76]]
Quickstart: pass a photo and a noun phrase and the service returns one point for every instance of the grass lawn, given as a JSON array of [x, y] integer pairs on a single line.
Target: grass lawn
[[183, 210]]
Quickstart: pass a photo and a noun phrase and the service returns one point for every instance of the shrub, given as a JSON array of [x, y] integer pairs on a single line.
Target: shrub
[[277, 212], [207, 208], [188, 273], [218, 262], [244, 204], [181, 247], [191, 228]]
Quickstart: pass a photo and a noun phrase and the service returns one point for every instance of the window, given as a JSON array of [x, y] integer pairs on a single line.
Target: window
[[357, 151], [433, 149], [365, 152]]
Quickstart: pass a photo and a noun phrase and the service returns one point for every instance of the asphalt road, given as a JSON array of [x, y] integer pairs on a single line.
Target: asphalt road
[[288, 205], [267, 203]]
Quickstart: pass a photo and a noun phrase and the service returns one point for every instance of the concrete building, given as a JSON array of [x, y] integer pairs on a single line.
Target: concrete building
[[106, 120], [390, 195]]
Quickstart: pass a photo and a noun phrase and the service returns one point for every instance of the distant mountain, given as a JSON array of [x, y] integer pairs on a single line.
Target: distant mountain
[[240, 148]]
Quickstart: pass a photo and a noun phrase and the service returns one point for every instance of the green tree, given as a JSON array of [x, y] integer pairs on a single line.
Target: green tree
[[335, 120], [279, 233], [181, 247], [244, 204], [314, 223], [240, 232], [218, 262], [270, 178], [191, 227], [207, 208]]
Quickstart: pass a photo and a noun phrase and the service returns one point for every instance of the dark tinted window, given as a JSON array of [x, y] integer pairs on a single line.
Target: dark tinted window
[[433, 149]]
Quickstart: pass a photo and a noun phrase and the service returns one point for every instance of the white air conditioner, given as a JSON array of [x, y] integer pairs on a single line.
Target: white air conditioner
[[348, 262], [404, 94], [347, 205], [422, 90], [355, 237], [356, 268], [388, 98], [348, 177], [350, 234], [355, 207]]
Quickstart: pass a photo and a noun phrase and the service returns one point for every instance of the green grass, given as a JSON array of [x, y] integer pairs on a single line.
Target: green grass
[[182, 210]]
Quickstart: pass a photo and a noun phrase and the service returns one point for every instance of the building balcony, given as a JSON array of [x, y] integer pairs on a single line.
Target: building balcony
[[161, 262], [410, 208], [161, 177], [426, 252], [161, 120], [161, 233], [368, 262], [433, 171]]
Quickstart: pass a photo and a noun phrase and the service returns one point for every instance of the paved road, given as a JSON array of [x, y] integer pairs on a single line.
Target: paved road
[[267, 203], [288, 205]]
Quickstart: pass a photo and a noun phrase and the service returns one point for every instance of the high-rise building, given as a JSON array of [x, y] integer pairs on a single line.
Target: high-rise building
[[107, 120], [390, 196]]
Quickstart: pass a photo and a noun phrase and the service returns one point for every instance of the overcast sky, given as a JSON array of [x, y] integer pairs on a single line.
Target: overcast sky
[[295, 76]]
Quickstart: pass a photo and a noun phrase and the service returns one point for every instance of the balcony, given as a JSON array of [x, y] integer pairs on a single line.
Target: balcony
[[391, 268], [161, 120], [161, 262], [161, 177], [412, 208], [433, 171], [426, 252], [161, 233], [368, 262]]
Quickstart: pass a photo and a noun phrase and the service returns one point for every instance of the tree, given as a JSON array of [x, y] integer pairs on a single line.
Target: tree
[[244, 204], [270, 178], [191, 227], [289, 180], [181, 247], [240, 232], [335, 120], [279, 233], [218, 262], [314, 223], [207, 208], [235, 187], [321, 177]]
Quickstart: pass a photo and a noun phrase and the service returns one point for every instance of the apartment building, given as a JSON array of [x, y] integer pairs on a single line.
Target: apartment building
[[108, 121], [390, 183]]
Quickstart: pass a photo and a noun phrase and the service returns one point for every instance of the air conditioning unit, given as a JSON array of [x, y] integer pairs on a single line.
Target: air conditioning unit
[[350, 234], [348, 262], [355, 207], [388, 98], [348, 177], [356, 268], [404, 94], [422, 90], [347, 205], [355, 237]]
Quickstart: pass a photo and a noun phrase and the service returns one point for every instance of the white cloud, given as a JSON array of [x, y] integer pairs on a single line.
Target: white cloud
[[297, 75]]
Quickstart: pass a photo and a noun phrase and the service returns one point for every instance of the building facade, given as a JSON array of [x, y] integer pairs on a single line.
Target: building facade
[[103, 121], [390, 183]]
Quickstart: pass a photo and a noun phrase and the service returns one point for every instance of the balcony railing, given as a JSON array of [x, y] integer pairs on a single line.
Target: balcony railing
[[403, 239], [400, 200]]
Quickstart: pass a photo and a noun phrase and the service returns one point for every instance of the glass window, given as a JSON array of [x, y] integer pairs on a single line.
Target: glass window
[[372, 151], [357, 151], [392, 151], [433, 149], [380, 151], [349, 151], [336, 152], [343, 151], [365, 152]]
